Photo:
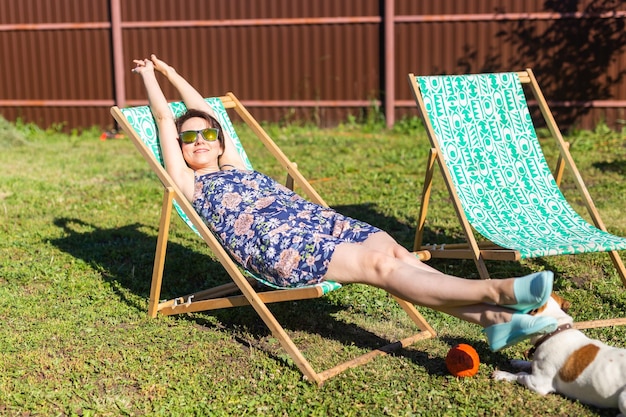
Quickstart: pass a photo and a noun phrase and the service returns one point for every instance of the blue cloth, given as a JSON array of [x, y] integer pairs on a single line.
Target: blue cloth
[[270, 230]]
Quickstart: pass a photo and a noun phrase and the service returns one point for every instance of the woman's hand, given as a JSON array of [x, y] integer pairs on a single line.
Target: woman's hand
[[143, 66], [162, 67]]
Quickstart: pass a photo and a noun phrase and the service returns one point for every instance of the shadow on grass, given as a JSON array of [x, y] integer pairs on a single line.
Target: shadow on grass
[[618, 166], [586, 279], [402, 232], [124, 257]]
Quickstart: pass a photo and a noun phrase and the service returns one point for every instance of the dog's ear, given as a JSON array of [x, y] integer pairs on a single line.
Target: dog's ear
[[563, 303]]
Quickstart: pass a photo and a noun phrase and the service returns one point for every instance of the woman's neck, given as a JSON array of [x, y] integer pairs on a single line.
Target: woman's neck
[[207, 170]]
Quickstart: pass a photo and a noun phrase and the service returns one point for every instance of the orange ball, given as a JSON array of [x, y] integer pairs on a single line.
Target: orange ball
[[462, 360]]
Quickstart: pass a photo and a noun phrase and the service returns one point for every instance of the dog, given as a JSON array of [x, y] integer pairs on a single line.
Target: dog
[[571, 364]]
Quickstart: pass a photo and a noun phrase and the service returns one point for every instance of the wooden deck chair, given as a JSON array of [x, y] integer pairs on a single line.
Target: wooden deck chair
[[484, 141], [139, 125]]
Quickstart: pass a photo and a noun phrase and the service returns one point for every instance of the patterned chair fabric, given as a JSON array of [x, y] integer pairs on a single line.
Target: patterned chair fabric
[[507, 191], [141, 119]]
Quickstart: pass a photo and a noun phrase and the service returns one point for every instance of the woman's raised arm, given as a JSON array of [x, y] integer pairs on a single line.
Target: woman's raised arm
[[175, 164], [194, 100]]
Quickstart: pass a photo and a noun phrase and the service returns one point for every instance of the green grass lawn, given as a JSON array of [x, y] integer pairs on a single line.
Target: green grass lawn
[[78, 225]]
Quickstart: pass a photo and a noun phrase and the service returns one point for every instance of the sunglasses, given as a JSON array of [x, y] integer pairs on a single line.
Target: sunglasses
[[190, 136]]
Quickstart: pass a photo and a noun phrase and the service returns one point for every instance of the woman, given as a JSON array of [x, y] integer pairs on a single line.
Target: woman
[[291, 242]]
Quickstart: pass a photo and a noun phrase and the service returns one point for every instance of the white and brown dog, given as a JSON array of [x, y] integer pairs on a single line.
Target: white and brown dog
[[569, 363]]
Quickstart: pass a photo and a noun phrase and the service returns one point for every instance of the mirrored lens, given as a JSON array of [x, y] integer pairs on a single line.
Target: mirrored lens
[[188, 136], [210, 134]]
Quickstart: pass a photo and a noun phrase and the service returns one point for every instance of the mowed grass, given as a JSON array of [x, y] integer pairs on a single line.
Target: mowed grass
[[78, 225]]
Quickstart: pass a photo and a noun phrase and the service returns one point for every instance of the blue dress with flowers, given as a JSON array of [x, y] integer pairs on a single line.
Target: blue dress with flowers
[[269, 229]]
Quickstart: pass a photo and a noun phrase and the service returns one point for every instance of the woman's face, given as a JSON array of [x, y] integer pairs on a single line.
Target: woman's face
[[200, 154]]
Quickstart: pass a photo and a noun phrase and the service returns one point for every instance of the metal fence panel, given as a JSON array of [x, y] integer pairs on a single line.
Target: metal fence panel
[[305, 60]]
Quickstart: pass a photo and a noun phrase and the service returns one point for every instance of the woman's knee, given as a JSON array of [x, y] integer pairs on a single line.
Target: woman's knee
[[356, 263], [383, 242], [379, 266]]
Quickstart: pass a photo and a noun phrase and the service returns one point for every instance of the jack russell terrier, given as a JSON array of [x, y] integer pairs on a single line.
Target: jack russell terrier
[[569, 363]]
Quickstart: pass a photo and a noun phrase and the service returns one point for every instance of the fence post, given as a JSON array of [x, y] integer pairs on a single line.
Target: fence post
[[389, 88], [118, 53]]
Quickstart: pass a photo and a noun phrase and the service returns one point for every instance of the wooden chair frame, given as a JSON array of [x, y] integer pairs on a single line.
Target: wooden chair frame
[[217, 298], [487, 250]]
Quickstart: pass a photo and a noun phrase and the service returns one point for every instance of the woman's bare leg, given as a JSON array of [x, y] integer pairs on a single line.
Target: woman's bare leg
[[383, 242], [381, 262], [484, 315], [354, 263]]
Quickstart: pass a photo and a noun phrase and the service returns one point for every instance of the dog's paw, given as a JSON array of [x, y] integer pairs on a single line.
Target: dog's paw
[[503, 376]]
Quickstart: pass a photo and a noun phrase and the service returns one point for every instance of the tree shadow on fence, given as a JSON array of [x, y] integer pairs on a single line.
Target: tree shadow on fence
[[570, 56]]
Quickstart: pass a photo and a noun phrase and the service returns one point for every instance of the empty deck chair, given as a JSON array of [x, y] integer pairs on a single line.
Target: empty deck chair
[[484, 141]]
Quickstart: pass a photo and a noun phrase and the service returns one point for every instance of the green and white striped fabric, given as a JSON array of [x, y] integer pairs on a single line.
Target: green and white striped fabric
[[490, 147], [142, 121]]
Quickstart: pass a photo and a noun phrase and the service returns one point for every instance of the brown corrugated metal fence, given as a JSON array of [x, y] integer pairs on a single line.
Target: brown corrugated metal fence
[[67, 61]]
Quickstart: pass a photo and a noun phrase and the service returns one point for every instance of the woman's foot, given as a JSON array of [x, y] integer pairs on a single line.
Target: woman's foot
[[532, 291], [521, 326]]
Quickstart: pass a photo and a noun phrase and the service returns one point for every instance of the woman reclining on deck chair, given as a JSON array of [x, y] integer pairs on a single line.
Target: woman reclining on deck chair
[[290, 241]]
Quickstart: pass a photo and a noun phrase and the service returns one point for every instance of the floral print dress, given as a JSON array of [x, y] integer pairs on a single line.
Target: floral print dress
[[270, 230]]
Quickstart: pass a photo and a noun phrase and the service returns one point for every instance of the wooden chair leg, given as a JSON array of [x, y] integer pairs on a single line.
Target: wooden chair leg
[[161, 248], [560, 167], [428, 183], [289, 182], [426, 332], [415, 315], [278, 332]]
